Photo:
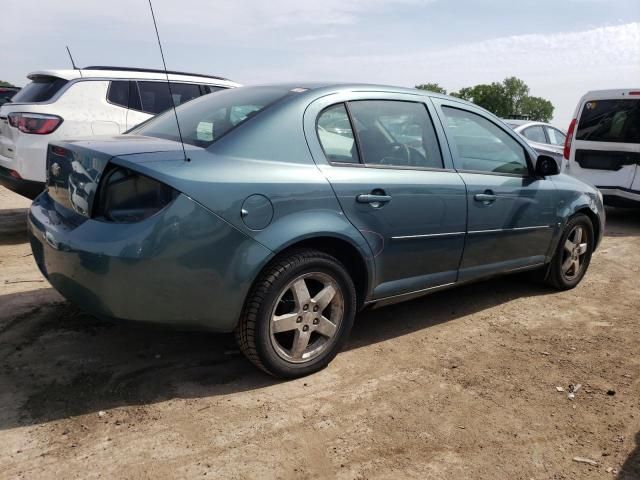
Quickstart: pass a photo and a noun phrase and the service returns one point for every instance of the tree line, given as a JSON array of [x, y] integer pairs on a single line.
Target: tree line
[[507, 99]]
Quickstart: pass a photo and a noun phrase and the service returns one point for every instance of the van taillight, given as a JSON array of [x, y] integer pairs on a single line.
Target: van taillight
[[634, 93], [34, 123], [569, 137]]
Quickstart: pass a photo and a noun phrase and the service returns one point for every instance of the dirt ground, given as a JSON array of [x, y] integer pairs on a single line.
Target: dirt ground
[[460, 384]]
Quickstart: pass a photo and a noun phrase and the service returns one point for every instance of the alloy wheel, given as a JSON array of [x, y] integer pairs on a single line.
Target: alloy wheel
[[575, 248], [306, 317]]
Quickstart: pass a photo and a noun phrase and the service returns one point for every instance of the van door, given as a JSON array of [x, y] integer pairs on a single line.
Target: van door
[[606, 148]]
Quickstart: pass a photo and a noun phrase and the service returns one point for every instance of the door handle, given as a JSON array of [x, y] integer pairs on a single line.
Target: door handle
[[373, 198], [487, 198]]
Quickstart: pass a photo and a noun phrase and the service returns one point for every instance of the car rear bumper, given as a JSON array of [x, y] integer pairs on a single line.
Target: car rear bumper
[[26, 188], [183, 266]]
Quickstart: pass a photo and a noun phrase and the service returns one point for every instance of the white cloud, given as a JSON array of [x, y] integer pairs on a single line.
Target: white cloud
[[219, 14], [316, 37], [256, 41], [558, 66]]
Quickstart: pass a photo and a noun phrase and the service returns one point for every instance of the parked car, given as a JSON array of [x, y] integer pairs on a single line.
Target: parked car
[[543, 137], [280, 230], [59, 104], [603, 144], [6, 93]]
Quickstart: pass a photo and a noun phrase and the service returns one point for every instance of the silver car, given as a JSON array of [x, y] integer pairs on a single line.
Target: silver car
[[544, 138]]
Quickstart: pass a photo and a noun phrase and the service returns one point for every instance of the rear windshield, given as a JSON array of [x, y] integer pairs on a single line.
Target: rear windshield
[[610, 121], [208, 118], [6, 94], [40, 89]]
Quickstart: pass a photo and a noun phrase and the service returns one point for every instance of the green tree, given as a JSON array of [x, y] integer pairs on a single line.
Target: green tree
[[5, 84], [432, 87], [490, 96], [509, 98], [465, 93], [515, 91], [537, 108]]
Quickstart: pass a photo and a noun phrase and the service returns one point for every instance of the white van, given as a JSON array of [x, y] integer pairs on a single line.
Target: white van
[[603, 144], [60, 104]]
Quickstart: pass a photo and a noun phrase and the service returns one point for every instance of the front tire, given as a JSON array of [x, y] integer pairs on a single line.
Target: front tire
[[298, 314], [573, 254]]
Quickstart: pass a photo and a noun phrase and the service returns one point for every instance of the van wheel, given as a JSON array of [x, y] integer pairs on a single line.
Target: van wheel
[[573, 254], [298, 315]]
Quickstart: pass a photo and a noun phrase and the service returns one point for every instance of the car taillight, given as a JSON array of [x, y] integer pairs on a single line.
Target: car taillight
[[568, 139], [34, 123], [125, 196]]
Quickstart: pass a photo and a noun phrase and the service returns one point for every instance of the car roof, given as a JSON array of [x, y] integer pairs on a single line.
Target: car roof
[[324, 88], [612, 94], [518, 123], [127, 73]]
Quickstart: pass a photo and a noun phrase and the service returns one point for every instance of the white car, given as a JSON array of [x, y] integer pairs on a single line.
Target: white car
[[62, 104], [603, 144], [544, 138]]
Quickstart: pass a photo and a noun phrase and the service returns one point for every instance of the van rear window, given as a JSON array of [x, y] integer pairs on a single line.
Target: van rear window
[[40, 89], [610, 121]]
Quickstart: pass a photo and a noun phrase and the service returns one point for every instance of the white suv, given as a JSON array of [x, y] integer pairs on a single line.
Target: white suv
[[603, 144], [60, 104]]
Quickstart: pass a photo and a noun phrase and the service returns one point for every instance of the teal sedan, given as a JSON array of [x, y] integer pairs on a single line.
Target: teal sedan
[[288, 208]]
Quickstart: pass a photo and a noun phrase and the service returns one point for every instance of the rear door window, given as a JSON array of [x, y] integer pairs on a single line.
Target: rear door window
[[556, 137], [535, 134], [41, 89], [155, 98], [118, 93], [395, 133], [336, 136], [209, 89], [183, 92], [610, 121]]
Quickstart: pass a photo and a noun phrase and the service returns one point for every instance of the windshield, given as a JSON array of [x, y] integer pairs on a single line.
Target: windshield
[[209, 118]]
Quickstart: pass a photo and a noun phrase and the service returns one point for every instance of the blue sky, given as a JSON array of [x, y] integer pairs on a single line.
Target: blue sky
[[561, 48]]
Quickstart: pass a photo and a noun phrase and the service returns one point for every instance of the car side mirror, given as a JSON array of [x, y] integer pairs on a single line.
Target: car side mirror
[[546, 166]]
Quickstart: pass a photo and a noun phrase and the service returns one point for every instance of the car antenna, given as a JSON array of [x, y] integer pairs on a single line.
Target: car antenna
[[73, 64], [164, 64]]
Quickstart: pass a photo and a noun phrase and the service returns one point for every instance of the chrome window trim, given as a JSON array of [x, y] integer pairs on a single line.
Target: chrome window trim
[[481, 172], [389, 167]]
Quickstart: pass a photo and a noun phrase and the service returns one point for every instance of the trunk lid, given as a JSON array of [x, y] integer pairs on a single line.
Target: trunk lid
[[74, 168]]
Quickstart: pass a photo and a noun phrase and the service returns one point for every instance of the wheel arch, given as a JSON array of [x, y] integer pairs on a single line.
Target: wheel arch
[[595, 223], [344, 249], [586, 203]]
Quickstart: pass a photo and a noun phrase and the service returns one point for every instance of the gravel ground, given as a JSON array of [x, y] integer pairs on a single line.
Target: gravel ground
[[460, 384]]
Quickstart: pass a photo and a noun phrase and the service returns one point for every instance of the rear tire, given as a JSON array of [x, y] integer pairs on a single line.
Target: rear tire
[[298, 314], [573, 254]]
